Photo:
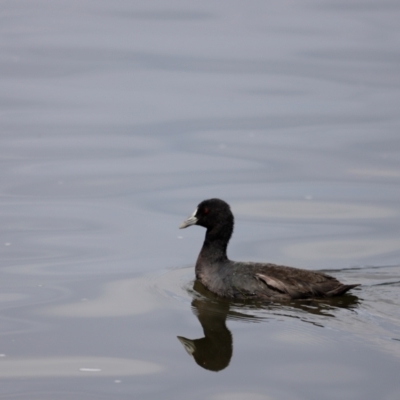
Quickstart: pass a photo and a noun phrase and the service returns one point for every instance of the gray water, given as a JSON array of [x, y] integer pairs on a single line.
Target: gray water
[[118, 118]]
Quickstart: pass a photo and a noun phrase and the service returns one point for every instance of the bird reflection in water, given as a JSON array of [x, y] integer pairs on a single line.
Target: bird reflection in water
[[214, 351]]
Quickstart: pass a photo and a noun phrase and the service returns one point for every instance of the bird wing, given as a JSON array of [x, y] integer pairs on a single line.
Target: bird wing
[[296, 288], [272, 283]]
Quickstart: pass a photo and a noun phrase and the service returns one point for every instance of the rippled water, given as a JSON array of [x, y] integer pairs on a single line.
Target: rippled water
[[118, 118]]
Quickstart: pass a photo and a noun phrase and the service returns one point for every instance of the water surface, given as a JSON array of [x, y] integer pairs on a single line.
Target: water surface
[[118, 118]]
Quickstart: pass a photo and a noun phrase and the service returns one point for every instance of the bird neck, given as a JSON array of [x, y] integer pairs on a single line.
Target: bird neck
[[216, 243]]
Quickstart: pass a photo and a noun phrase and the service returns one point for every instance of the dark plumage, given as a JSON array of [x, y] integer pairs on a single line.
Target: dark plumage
[[250, 280]]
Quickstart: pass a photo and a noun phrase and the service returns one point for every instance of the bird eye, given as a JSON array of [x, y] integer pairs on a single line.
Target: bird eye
[[206, 210]]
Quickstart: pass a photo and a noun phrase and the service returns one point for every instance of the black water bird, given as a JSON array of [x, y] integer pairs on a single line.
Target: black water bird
[[250, 280]]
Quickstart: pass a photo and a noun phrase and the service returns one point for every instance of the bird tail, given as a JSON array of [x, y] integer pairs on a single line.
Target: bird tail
[[342, 289]]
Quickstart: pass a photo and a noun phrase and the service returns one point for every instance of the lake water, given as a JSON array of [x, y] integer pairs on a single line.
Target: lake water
[[118, 118]]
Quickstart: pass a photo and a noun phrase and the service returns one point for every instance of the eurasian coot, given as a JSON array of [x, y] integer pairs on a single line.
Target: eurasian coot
[[250, 280]]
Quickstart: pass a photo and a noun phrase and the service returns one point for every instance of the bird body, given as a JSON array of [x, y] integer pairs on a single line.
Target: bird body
[[250, 280]]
